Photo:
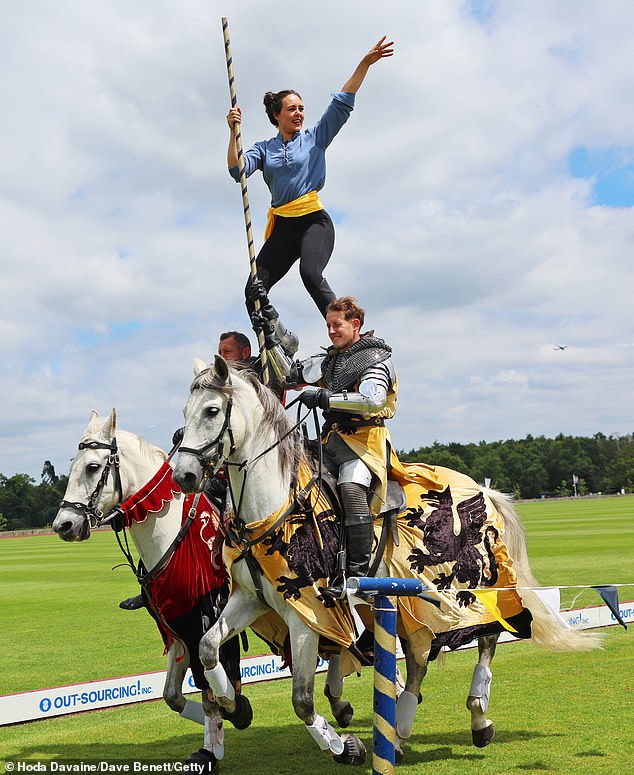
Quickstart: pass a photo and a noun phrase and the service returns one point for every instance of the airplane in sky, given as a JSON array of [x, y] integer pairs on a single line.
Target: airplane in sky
[[560, 347]]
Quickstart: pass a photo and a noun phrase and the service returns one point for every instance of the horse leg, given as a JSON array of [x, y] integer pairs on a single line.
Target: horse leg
[[173, 687], [346, 749], [204, 760], [205, 757], [482, 730], [241, 610], [333, 689], [408, 700]]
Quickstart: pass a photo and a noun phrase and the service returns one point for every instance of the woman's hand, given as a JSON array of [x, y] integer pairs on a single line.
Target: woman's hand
[[380, 51], [234, 117]]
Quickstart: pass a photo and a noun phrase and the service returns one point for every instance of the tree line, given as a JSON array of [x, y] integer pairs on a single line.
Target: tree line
[[533, 467], [25, 504], [537, 467]]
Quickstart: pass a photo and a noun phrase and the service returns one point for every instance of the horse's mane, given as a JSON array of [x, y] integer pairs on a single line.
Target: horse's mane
[[290, 447], [146, 447]]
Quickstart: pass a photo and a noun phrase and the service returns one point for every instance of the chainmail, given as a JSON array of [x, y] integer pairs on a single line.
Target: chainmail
[[341, 370]]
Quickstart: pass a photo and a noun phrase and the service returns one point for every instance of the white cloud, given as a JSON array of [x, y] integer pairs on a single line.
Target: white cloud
[[459, 225]]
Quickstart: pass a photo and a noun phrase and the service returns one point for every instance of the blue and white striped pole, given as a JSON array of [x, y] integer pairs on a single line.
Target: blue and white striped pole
[[384, 727]]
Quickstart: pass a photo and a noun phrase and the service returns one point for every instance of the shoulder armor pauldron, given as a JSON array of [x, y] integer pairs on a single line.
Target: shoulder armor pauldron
[[311, 368]]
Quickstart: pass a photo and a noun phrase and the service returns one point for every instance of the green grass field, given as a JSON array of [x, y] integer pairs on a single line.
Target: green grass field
[[564, 713]]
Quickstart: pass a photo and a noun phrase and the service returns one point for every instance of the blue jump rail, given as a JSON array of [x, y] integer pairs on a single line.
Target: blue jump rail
[[391, 587]]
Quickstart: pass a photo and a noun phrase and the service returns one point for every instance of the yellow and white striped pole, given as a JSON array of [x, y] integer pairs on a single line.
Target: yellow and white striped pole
[[245, 195]]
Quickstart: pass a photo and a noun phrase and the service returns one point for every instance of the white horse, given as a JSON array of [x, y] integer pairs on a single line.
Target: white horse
[[112, 466], [231, 420]]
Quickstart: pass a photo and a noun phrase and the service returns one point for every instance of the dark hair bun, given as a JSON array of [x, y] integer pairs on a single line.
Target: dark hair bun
[[270, 100], [273, 103]]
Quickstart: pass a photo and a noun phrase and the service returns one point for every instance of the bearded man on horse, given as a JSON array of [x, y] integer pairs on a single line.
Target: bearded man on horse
[[356, 387]]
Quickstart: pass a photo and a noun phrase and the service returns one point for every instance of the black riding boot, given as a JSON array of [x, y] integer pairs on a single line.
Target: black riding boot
[[359, 547], [132, 603], [359, 539]]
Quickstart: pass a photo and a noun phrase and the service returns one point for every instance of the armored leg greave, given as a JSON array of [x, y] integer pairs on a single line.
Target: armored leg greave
[[358, 526]]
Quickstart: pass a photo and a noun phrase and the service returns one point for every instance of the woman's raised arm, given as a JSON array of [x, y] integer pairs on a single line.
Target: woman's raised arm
[[380, 51]]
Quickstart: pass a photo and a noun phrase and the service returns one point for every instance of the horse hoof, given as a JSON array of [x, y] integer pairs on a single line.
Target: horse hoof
[[199, 762], [242, 716], [398, 755], [344, 717], [353, 751], [482, 737]]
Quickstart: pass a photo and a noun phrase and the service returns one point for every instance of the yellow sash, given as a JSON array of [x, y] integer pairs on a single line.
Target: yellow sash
[[308, 203]]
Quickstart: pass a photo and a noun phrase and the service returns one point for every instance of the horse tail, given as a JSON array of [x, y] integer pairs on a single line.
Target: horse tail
[[547, 631]]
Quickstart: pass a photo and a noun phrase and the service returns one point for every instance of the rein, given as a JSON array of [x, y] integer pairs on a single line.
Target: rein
[[145, 579], [236, 529], [246, 465]]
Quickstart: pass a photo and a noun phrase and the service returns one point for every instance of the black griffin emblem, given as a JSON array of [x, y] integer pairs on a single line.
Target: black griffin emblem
[[303, 554], [443, 546]]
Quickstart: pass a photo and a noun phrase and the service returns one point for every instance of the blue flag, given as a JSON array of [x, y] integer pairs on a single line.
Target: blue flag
[[610, 596]]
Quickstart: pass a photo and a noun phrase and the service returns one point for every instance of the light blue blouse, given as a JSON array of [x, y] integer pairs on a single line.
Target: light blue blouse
[[294, 167]]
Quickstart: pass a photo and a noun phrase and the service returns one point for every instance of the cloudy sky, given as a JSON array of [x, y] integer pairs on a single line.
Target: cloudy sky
[[482, 193]]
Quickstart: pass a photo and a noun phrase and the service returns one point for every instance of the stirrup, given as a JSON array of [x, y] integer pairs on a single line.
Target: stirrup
[[337, 589]]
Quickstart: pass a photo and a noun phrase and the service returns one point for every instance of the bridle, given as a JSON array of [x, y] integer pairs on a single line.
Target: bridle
[[93, 516], [210, 462]]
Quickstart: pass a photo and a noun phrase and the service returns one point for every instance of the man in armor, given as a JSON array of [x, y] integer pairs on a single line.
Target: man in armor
[[355, 385]]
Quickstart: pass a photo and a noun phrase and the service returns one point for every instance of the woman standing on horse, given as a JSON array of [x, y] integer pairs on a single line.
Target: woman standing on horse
[[293, 164]]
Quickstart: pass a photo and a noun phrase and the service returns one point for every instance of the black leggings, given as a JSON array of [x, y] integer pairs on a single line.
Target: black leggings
[[311, 238]]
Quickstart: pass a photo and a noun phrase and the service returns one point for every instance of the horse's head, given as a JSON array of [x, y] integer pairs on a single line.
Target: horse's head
[[214, 427], [94, 484], [230, 417]]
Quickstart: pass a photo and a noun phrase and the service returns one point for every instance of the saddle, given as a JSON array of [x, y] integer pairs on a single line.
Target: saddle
[[395, 502]]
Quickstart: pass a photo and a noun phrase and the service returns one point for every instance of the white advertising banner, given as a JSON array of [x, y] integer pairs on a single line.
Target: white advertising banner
[[61, 700], [58, 701]]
